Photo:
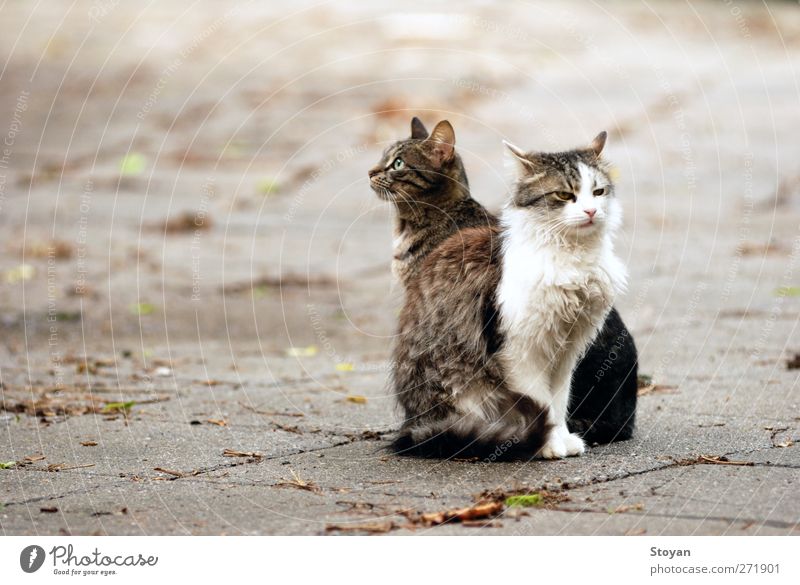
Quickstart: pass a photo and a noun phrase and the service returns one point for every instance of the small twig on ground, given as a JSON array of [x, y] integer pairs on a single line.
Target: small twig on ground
[[270, 412], [172, 473], [234, 453], [722, 460], [65, 467]]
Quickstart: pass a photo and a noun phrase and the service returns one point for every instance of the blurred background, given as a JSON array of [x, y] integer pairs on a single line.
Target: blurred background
[[185, 205]]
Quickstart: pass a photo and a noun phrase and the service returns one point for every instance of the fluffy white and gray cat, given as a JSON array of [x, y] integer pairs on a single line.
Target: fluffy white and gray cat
[[496, 318]]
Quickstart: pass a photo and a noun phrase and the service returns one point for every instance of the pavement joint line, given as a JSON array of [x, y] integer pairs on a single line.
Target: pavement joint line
[[204, 470], [729, 520], [83, 490]]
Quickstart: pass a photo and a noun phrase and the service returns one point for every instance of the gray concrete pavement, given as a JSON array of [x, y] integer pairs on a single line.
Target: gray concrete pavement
[[270, 312]]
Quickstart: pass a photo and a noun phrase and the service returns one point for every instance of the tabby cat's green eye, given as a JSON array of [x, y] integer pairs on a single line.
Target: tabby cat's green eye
[[564, 196], [398, 164]]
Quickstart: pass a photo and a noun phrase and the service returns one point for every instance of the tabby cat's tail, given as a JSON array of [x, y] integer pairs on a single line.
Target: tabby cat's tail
[[466, 436]]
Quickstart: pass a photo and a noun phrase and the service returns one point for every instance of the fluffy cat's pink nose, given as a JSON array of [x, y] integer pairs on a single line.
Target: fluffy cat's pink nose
[[590, 212]]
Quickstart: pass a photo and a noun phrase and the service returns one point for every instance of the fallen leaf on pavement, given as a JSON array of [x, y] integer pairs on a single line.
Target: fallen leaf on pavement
[[287, 428], [187, 222], [20, 273], [132, 164], [309, 351], [787, 291], [142, 309], [524, 500], [356, 399], [120, 407], [479, 511], [626, 508], [524, 497], [301, 484]]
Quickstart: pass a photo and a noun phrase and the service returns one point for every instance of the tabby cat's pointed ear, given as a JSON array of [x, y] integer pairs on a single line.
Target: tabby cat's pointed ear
[[443, 140], [418, 130], [598, 143], [515, 159]]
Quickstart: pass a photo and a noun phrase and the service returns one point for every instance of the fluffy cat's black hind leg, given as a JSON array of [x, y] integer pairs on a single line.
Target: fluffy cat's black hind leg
[[604, 386]]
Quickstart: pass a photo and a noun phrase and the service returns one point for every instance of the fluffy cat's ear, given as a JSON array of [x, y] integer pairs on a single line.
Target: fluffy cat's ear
[[443, 141], [598, 143], [418, 130], [515, 160]]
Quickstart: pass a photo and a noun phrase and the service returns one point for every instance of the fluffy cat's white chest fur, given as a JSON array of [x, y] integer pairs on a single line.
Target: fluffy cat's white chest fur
[[553, 296]]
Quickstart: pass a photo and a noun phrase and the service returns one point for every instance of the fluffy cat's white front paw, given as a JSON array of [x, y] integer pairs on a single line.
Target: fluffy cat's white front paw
[[574, 445], [555, 447], [561, 443]]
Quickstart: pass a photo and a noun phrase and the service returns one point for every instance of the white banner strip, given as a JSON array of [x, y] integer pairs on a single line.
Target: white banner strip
[[401, 560]]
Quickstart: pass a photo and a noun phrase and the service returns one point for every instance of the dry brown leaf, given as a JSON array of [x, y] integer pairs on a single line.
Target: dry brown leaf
[[477, 512], [355, 399], [287, 428], [626, 508], [300, 484], [217, 421], [187, 222], [89, 443], [56, 249]]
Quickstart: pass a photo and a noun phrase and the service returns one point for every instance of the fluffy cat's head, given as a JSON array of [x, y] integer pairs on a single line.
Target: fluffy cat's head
[[423, 169], [565, 194]]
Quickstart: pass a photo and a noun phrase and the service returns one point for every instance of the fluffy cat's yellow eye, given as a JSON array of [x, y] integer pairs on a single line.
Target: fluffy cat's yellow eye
[[398, 164], [564, 196], [599, 192]]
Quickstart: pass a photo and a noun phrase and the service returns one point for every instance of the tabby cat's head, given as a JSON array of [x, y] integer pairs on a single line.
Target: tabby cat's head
[[423, 169], [565, 193]]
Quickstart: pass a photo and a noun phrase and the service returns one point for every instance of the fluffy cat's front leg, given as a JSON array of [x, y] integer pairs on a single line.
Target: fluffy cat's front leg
[[562, 443]]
